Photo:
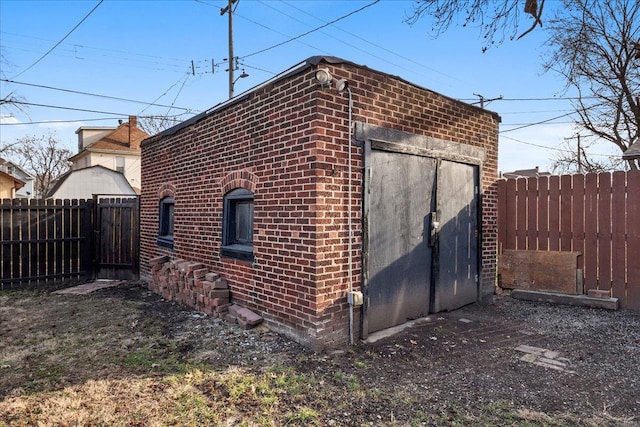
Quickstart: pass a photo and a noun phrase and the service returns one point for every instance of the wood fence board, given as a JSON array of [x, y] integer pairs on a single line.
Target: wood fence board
[[512, 214], [554, 213], [66, 246], [75, 245], [566, 193], [59, 242], [543, 213], [618, 235], [501, 189], [34, 247], [532, 214], [604, 231], [51, 235], [5, 235], [521, 212], [633, 240], [591, 232], [577, 218], [15, 236], [42, 245]]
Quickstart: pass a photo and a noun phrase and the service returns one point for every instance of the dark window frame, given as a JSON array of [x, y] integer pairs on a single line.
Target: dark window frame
[[237, 225], [166, 222]]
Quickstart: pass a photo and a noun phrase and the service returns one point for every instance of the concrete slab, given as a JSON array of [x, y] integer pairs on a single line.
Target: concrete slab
[[385, 333], [87, 288], [555, 298]]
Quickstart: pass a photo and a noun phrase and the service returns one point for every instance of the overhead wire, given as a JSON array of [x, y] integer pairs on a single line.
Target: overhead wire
[[115, 98], [312, 30], [564, 150], [389, 51], [58, 44]]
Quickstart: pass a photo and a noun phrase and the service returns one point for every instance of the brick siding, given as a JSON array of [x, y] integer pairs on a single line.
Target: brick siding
[[286, 142]]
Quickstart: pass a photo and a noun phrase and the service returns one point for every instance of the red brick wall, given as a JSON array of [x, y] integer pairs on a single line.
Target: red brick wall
[[286, 142]]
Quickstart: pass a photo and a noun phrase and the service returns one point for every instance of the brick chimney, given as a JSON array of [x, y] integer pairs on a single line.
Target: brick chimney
[[133, 124]]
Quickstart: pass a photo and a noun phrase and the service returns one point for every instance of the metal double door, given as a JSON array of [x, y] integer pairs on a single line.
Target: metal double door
[[421, 237]]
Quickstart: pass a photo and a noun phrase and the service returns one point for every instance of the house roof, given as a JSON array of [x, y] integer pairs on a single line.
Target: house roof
[[64, 177], [24, 173], [126, 138], [633, 152], [525, 173], [292, 71], [18, 184]]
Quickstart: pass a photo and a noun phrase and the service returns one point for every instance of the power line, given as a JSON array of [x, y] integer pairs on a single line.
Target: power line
[[389, 51], [564, 150], [537, 123], [63, 39], [313, 30], [92, 94], [53, 122], [70, 108]]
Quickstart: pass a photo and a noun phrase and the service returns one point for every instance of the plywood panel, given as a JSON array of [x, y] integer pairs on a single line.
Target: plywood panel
[[538, 270]]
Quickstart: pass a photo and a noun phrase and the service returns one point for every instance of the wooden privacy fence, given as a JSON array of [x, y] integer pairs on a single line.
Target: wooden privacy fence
[[595, 214], [49, 242]]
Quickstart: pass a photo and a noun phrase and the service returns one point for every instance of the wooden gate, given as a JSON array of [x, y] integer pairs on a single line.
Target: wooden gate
[[117, 228]]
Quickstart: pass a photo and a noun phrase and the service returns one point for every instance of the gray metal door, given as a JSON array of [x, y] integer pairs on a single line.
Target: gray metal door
[[456, 250], [398, 209], [421, 239]]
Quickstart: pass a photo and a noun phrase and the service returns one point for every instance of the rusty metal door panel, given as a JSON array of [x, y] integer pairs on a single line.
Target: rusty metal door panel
[[456, 260], [400, 192]]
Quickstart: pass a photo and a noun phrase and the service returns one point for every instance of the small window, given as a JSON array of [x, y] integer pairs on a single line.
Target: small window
[[237, 219], [120, 164], [165, 232]]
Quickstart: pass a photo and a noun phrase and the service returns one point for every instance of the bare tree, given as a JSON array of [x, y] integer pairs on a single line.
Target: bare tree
[[594, 49], [156, 124], [575, 158], [44, 158], [497, 19], [11, 100]]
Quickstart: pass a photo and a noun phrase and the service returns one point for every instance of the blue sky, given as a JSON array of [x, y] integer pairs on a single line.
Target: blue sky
[[162, 52]]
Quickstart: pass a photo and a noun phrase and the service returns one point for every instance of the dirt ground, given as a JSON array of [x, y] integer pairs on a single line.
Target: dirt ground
[[499, 362]]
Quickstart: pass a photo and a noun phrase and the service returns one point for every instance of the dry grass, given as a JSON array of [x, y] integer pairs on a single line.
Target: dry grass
[[108, 359]]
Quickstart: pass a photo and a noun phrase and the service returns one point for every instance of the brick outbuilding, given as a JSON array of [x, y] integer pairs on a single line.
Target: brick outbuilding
[[329, 185]]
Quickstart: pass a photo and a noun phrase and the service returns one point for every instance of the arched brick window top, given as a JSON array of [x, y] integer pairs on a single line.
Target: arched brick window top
[[166, 190], [239, 179]]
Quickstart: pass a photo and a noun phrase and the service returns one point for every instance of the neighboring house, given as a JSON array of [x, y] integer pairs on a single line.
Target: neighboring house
[[26, 190], [525, 173], [114, 148], [84, 183], [9, 185], [633, 152], [310, 194]]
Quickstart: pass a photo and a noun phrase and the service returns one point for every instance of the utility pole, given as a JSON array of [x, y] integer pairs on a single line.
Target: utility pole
[[483, 99], [577, 137], [229, 9]]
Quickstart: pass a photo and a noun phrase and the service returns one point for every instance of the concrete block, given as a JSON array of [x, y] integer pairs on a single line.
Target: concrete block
[[599, 293], [578, 300]]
